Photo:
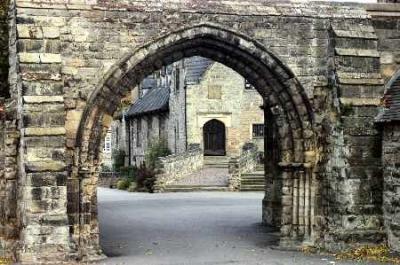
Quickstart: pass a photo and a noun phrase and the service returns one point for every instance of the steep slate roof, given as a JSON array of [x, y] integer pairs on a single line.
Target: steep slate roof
[[195, 68], [156, 100], [392, 101]]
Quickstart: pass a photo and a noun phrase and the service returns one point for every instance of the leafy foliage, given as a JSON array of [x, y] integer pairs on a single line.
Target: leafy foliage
[[156, 150], [123, 184], [132, 187], [118, 158], [129, 173], [145, 178], [105, 168]]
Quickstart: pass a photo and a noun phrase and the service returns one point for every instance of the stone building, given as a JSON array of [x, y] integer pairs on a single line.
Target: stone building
[[196, 102], [147, 122], [221, 105], [389, 122]]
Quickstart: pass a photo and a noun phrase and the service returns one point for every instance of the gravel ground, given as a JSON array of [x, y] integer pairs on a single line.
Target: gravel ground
[[206, 176], [199, 228]]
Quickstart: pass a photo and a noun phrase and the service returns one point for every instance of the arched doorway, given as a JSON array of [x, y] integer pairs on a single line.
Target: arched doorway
[[214, 138], [291, 207]]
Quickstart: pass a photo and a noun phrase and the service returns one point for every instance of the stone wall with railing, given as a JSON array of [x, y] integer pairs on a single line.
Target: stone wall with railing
[[245, 163], [108, 179], [174, 167]]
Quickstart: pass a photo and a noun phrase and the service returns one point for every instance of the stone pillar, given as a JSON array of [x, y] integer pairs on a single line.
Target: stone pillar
[[9, 137], [287, 208], [36, 77]]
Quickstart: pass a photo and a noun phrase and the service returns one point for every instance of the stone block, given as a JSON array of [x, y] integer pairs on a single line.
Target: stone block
[[44, 131], [45, 166], [29, 57], [51, 32], [50, 58], [43, 89], [73, 119], [29, 32], [43, 99]]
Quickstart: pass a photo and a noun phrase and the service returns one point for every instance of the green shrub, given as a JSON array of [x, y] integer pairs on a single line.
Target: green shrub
[[129, 172], [156, 149], [118, 157], [145, 178], [105, 168], [123, 184], [132, 187]]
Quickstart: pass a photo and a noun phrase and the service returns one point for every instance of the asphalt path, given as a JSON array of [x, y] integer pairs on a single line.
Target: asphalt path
[[199, 228]]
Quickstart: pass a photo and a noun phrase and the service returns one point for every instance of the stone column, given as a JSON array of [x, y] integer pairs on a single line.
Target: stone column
[[287, 208], [42, 185]]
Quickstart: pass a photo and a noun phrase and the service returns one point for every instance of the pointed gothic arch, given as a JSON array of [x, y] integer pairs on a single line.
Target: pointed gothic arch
[[281, 90]]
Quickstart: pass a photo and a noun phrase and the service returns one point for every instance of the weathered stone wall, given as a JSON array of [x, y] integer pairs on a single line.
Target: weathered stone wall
[[391, 175], [351, 186], [386, 21], [176, 167], [177, 141], [9, 136], [108, 179], [245, 163], [146, 136], [221, 95]]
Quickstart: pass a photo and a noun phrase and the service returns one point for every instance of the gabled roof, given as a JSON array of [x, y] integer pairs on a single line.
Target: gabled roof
[[392, 102], [195, 68], [154, 101]]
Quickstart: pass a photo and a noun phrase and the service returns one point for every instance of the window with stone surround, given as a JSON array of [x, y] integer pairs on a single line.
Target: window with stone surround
[[177, 79], [107, 143], [149, 128], [258, 130], [138, 133]]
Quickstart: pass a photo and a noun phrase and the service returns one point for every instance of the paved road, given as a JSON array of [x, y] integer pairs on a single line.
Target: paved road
[[209, 228]]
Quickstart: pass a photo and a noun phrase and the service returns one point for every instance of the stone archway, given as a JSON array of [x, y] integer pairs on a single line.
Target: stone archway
[[276, 84]]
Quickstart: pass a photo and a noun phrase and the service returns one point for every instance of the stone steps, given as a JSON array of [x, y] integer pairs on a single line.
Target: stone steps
[[254, 181], [190, 188], [254, 175], [252, 188], [216, 166], [260, 168], [216, 162]]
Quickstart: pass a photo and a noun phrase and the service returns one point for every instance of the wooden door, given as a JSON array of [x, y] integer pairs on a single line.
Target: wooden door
[[214, 138]]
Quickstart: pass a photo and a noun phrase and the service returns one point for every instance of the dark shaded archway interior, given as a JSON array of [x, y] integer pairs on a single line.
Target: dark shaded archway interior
[[214, 138], [288, 117]]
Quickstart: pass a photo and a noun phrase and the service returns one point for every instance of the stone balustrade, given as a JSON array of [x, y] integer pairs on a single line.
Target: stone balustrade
[[245, 163], [177, 166]]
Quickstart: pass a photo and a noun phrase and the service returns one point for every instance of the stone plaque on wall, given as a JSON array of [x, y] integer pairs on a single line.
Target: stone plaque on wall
[[214, 92]]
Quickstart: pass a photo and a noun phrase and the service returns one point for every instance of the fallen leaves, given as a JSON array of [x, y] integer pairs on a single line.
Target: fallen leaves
[[5, 261], [380, 253]]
